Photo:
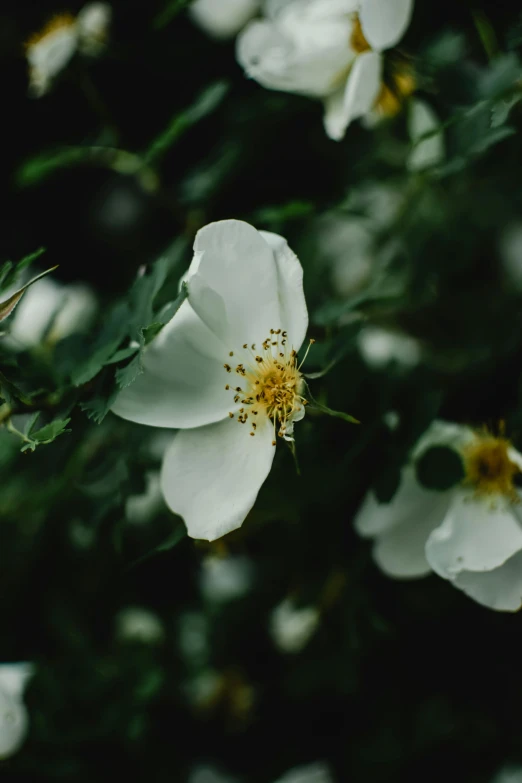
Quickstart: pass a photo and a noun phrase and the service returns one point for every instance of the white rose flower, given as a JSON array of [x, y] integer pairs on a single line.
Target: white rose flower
[[52, 310], [470, 534], [140, 509], [310, 773], [224, 18], [292, 627], [50, 50], [332, 50], [224, 372], [14, 719], [380, 347]]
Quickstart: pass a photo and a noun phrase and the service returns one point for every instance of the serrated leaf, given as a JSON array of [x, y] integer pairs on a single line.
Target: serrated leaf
[[47, 434], [501, 110], [97, 408], [128, 374], [502, 75], [8, 305]]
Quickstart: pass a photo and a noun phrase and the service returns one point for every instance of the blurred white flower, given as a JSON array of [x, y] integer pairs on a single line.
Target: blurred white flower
[[93, 23], [204, 773], [332, 50], [508, 774], [380, 347], [292, 627], [225, 578], [223, 18], [49, 50], [511, 254], [224, 372], [140, 509], [346, 244], [14, 718], [136, 624], [429, 151], [309, 773], [193, 638], [52, 310], [470, 534]]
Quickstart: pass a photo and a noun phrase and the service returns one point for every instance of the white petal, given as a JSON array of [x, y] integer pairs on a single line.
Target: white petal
[[292, 627], [225, 18], [48, 56], [421, 120], [294, 313], [183, 383], [238, 265], [211, 475], [443, 433], [93, 24], [309, 773], [298, 53], [500, 589], [384, 22], [410, 504], [14, 678], [13, 724], [361, 92], [476, 535], [400, 552]]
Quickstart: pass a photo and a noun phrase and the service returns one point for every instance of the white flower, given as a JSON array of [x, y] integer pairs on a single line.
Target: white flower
[[204, 773], [14, 720], [293, 627], [508, 774], [310, 773], [225, 578], [52, 310], [49, 50], [332, 50], [223, 18], [469, 534], [380, 347], [224, 372], [135, 624], [93, 26]]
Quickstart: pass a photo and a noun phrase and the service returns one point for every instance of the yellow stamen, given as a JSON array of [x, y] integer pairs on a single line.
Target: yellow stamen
[[488, 467], [60, 21], [358, 41]]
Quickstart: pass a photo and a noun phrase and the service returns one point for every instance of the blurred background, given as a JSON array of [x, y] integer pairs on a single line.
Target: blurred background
[[282, 645]]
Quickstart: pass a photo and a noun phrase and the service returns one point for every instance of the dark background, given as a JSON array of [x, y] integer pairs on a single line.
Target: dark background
[[403, 681]]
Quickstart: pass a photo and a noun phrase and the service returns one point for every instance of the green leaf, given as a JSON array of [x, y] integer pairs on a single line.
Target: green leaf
[[128, 374], [314, 405], [46, 434], [502, 75], [8, 305], [206, 102], [171, 10]]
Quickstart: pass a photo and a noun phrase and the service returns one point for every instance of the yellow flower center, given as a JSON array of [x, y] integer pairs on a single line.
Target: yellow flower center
[[399, 85], [489, 468], [270, 384], [57, 22]]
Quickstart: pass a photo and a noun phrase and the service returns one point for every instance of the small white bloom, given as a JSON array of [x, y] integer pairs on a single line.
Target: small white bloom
[[224, 18], [469, 534], [93, 27], [310, 773], [224, 372], [193, 638], [380, 347], [140, 509], [14, 719], [204, 773], [332, 50], [508, 774], [52, 310], [293, 627], [225, 578], [50, 50], [135, 624]]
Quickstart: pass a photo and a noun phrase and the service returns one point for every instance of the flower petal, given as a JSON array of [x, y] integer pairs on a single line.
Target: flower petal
[[238, 265], [225, 18], [430, 151], [294, 313], [14, 677], [400, 552], [211, 475], [443, 433], [183, 382], [384, 22], [410, 504], [477, 534], [500, 589], [361, 92]]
